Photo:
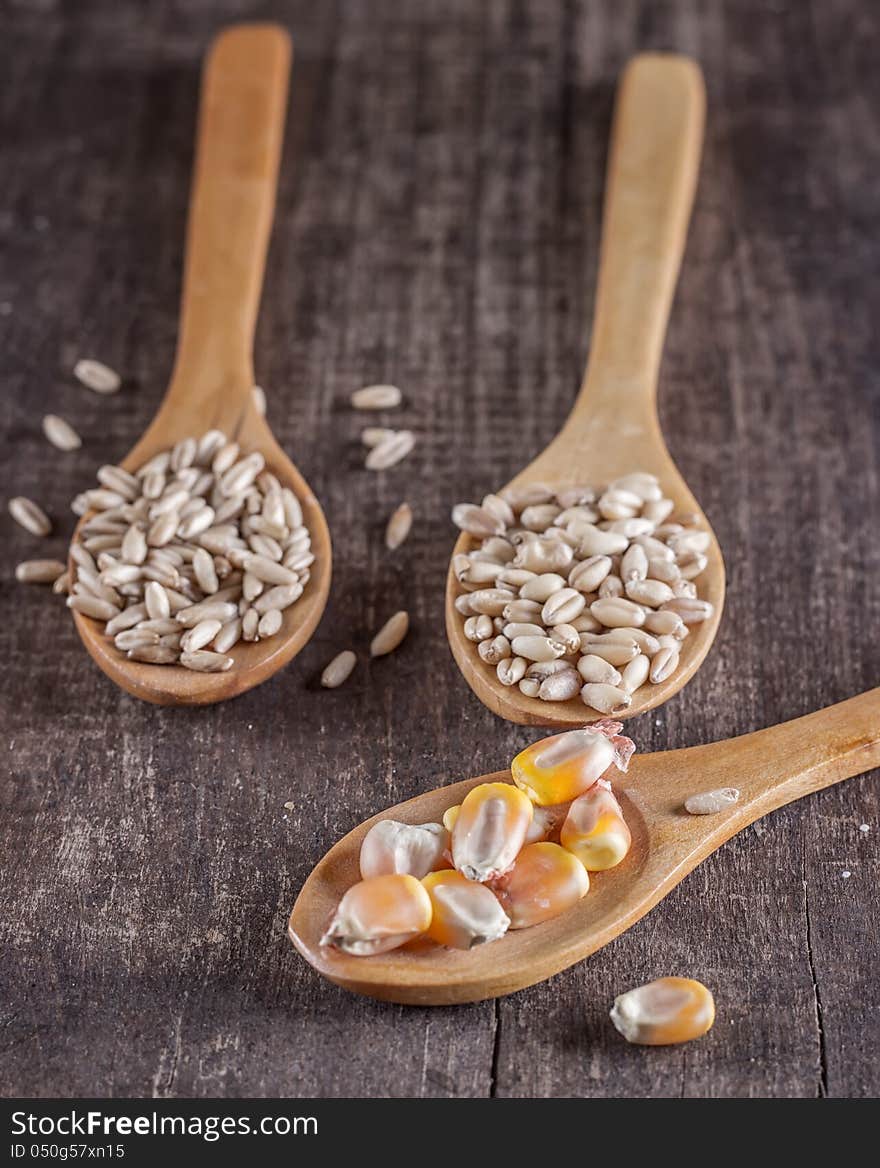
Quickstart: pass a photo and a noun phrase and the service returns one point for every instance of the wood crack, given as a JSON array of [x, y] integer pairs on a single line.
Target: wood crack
[[822, 1085]]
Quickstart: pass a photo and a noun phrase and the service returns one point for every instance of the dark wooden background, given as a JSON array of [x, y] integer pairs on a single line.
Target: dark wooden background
[[437, 227]]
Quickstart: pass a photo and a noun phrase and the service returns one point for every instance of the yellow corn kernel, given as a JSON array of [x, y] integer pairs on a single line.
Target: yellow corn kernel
[[412, 848], [595, 830], [559, 768], [379, 914], [489, 830], [465, 914], [545, 820], [450, 815], [664, 1012], [545, 881]]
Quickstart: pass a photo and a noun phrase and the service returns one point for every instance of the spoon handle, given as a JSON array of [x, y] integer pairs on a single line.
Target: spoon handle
[[652, 175], [775, 766], [241, 125]]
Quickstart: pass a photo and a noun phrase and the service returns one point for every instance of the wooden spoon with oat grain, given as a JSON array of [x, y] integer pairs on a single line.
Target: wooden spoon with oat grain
[[241, 125], [613, 428]]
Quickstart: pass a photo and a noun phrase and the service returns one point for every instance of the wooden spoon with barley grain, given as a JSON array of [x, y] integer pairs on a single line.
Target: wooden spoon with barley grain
[[613, 428], [770, 768], [241, 126]]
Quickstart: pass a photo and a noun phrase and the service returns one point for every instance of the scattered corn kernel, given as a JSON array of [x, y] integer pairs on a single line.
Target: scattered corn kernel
[[489, 830], [595, 830], [544, 882], [561, 767], [379, 914], [465, 914], [664, 1012], [412, 848]]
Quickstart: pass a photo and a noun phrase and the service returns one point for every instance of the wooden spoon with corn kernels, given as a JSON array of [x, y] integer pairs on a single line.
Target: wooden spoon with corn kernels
[[769, 768], [241, 125], [613, 429]]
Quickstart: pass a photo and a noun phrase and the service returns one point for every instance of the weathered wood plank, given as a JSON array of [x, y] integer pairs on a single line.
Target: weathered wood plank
[[437, 226]]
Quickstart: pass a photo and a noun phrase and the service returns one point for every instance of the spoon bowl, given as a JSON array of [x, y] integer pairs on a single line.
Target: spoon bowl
[[241, 125], [613, 428], [770, 768]]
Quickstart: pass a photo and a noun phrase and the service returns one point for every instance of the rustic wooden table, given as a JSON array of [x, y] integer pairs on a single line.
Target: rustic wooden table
[[437, 227]]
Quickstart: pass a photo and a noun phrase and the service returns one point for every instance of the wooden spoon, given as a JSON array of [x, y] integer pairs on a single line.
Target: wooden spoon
[[613, 428], [241, 125], [770, 768]]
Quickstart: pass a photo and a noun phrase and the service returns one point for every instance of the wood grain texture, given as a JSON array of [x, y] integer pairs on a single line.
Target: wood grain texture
[[242, 110], [613, 428], [437, 226]]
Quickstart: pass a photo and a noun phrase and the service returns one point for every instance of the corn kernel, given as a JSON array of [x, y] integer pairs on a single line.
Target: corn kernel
[[595, 830], [489, 830], [664, 1012], [379, 914], [465, 914], [405, 848], [545, 820], [545, 881], [450, 815], [559, 768]]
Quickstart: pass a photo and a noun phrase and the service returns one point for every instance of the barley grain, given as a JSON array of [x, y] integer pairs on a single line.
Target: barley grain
[[494, 650], [542, 587], [399, 526], [212, 609], [635, 674], [527, 495], [711, 802], [93, 606], [155, 654], [377, 397], [596, 669], [567, 636], [249, 623], [374, 435], [691, 611], [390, 635], [200, 635], [478, 628], [29, 515], [562, 607], [270, 623], [96, 376], [60, 433], [205, 572], [391, 451], [39, 571], [204, 661], [537, 648], [120, 487], [228, 636], [161, 626], [560, 687], [605, 699], [136, 638], [511, 670], [663, 664], [338, 671]]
